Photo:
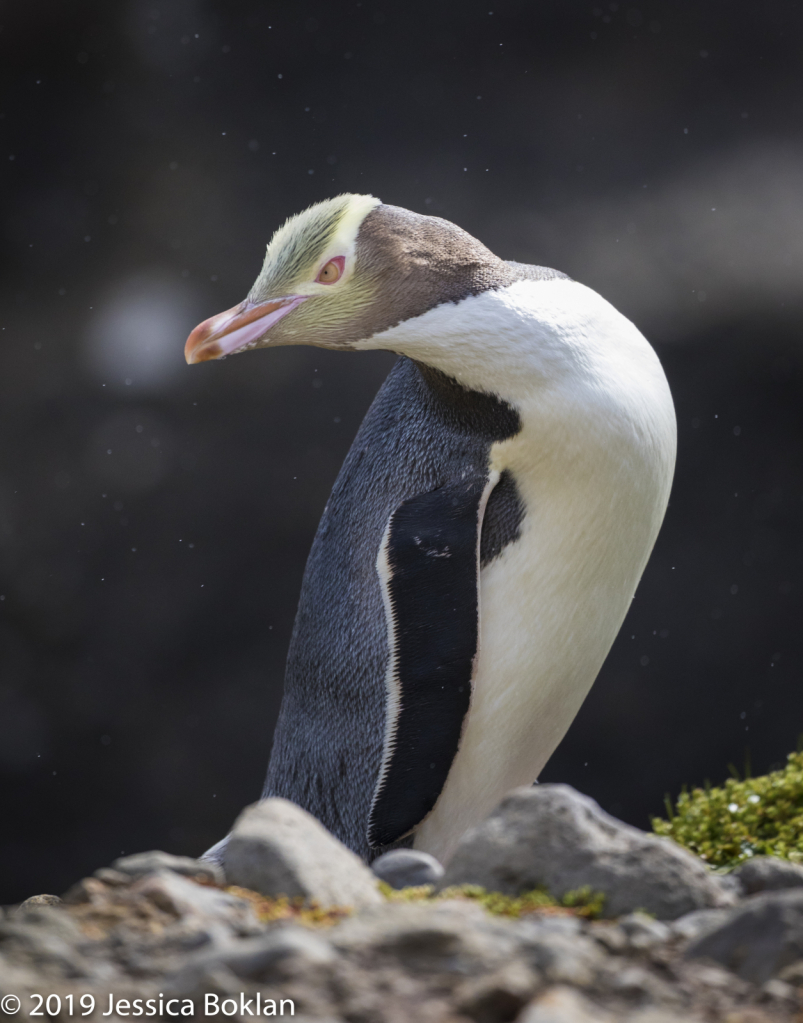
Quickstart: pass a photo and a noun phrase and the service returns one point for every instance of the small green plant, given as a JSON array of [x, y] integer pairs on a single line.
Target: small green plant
[[742, 818], [582, 902], [311, 914]]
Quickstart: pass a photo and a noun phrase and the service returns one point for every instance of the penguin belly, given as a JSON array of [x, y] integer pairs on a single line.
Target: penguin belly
[[551, 605]]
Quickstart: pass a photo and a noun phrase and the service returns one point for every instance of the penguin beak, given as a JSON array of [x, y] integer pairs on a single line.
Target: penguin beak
[[236, 328]]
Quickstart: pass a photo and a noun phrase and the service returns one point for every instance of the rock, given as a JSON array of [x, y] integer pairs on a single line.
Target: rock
[[638, 984], [643, 932], [37, 900], [276, 848], [553, 836], [114, 878], [759, 939], [15, 977], [768, 874], [716, 978], [447, 935], [693, 925], [154, 861], [156, 921], [405, 868], [779, 991], [792, 974], [143, 929], [182, 897], [664, 1016], [45, 939], [498, 996], [563, 1005], [289, 949], [557, 948], [610, 936], [87, 890]]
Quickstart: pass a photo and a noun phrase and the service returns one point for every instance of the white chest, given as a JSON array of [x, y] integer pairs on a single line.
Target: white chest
[[550, 608], [593, 464]]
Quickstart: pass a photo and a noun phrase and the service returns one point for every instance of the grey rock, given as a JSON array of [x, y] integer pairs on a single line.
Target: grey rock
[[184, 898], [276, 848], [499, 995], [758, 939], [731, 884], [288, 949], [767, 874], [405, 868], [450, 937], [638, 984], [610, 936], [552, 835], [543, 926], [218, 980], [154, 861], [701, 921], [776, 990], [15, 977], [715, 978], [652, 1015], [643, 932], [41, 920], [87, 890], [44, 939], [793, 974], [564, 959], [563, 1005], [114, 878], [35, 901], [139, 934]]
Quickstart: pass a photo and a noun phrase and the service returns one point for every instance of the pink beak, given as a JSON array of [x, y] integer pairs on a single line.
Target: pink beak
[[236, 328]]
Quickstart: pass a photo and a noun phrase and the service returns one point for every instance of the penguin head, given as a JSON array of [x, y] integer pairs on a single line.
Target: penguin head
[[345, 270]]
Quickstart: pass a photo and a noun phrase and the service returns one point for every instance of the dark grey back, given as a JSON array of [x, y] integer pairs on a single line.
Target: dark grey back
[[421, 431]]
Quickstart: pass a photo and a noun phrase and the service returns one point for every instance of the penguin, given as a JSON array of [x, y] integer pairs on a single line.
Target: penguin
[[486, 533]]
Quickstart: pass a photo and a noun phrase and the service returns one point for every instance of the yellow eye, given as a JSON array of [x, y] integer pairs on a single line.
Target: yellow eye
[[332, 272]]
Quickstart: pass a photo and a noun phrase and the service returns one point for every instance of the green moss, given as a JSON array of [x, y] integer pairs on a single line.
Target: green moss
[[742, 818], [582, 902], [415, 893], [310, 914]]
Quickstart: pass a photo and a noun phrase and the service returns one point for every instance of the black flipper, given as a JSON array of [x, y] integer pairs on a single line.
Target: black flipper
[[429, 565]]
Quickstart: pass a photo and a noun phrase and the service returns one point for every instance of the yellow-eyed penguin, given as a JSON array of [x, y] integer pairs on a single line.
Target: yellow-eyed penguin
[[488, 528]]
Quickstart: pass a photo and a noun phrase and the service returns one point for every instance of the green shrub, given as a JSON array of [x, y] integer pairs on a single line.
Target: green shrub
[[742, 818]]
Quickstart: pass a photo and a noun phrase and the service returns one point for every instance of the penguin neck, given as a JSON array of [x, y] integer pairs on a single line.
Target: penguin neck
[[464, 409], [590, 393], [527, 336]]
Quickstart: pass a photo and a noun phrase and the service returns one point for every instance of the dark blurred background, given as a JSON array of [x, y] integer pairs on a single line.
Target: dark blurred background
[[155, 518]]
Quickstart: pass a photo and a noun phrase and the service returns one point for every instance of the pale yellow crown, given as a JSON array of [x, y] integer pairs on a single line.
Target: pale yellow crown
[[304, 243]]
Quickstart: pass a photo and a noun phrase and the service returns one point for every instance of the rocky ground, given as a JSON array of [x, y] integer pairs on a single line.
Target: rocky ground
[[159, 935]]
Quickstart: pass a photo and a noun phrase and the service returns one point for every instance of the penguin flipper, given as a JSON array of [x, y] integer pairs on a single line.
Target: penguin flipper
[[429, 568]]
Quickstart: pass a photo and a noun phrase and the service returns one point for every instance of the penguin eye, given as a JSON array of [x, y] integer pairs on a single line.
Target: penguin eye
[[332, 272]]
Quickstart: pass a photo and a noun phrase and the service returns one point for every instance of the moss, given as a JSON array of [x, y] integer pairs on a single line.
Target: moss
[[742, 818], [298, 910], [415, 893], [582, 902]]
